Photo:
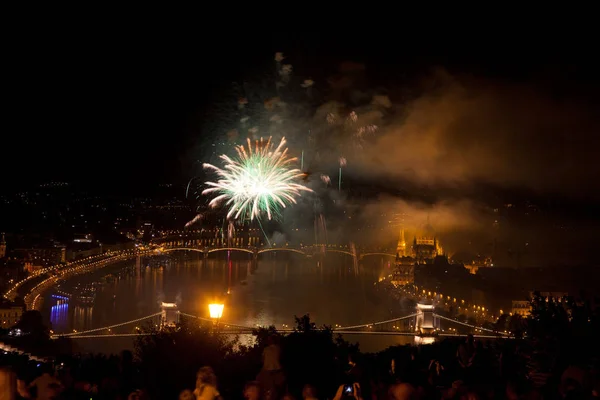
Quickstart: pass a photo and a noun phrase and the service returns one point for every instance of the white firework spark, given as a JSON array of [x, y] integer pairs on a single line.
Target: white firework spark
[[259, 180]]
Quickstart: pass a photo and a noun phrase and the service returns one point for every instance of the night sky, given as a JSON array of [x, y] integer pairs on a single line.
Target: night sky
[[484, 113], [125, 102]]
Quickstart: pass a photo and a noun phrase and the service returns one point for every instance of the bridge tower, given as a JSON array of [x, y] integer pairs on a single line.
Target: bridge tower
[[426, 321], [169, 315]]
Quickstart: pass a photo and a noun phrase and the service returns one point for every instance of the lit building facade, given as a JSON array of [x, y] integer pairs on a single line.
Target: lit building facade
[[10, 315], [556, 297], [42, 256], [217, 236], [425, 249], [404, 273], [401, 248], [521, 307], [475, 265]]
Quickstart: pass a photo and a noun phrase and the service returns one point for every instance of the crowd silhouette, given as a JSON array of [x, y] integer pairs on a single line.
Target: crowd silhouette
[[556, 359]]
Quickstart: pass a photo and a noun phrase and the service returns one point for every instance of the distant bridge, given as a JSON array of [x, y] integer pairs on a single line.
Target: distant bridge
[[308, 251]]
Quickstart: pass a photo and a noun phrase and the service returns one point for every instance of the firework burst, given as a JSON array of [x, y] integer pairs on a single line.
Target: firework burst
[[259, 180]]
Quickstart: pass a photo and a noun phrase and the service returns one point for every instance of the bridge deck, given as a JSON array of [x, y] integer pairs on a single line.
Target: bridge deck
[[225, 328], [308, 251]]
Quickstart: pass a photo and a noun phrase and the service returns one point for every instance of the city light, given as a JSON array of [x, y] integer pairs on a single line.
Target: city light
[[51, 275], [216, 310]]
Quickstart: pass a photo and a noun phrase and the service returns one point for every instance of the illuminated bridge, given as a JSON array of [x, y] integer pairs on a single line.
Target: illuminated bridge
[[249, 240], [308, 251], [424, 323]]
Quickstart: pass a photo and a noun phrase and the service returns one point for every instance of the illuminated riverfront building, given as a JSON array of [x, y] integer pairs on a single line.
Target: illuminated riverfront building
[[218, 235], [555, 296], [475, 265], [404, 273], [41, 256], [521, 307], [425, 249], [9, 315], [401, 248]]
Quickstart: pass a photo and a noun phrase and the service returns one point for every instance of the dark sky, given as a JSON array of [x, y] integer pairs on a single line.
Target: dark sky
[[114, 104]]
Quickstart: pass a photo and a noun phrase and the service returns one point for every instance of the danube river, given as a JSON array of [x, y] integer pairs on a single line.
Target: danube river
[[333, 290]]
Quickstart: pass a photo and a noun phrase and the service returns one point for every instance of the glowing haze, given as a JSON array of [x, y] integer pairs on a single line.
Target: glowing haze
[[259, 180], [491, 166]]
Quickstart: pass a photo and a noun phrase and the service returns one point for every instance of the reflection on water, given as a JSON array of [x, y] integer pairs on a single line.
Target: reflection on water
[[82, 317], [65, 319], [59, 316], [272, 291]]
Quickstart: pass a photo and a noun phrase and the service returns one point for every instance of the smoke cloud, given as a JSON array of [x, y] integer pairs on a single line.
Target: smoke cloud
[[434, 164], [278, 238], [477, 131]]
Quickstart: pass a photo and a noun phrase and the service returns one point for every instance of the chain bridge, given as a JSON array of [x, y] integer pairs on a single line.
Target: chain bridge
[[424, 323]]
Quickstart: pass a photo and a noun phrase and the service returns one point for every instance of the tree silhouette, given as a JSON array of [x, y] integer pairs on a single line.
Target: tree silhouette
[[304, 325], [32, 323], [35, 335], [502, 323], [548, 318], [312, 355], [171, 357], [563, 322], [517, 325]]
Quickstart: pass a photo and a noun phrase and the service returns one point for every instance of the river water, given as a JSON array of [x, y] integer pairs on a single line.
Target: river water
[[333, 290]]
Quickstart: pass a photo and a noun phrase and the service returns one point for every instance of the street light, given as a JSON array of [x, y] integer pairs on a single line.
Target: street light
[[216, 312]]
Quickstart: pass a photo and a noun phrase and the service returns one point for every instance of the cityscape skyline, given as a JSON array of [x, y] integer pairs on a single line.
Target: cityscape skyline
[[508, 232], [267, 209], [458, 132], [490, 156]]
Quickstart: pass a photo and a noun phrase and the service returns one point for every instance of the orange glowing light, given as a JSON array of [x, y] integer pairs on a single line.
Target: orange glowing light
[[216, 310]]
